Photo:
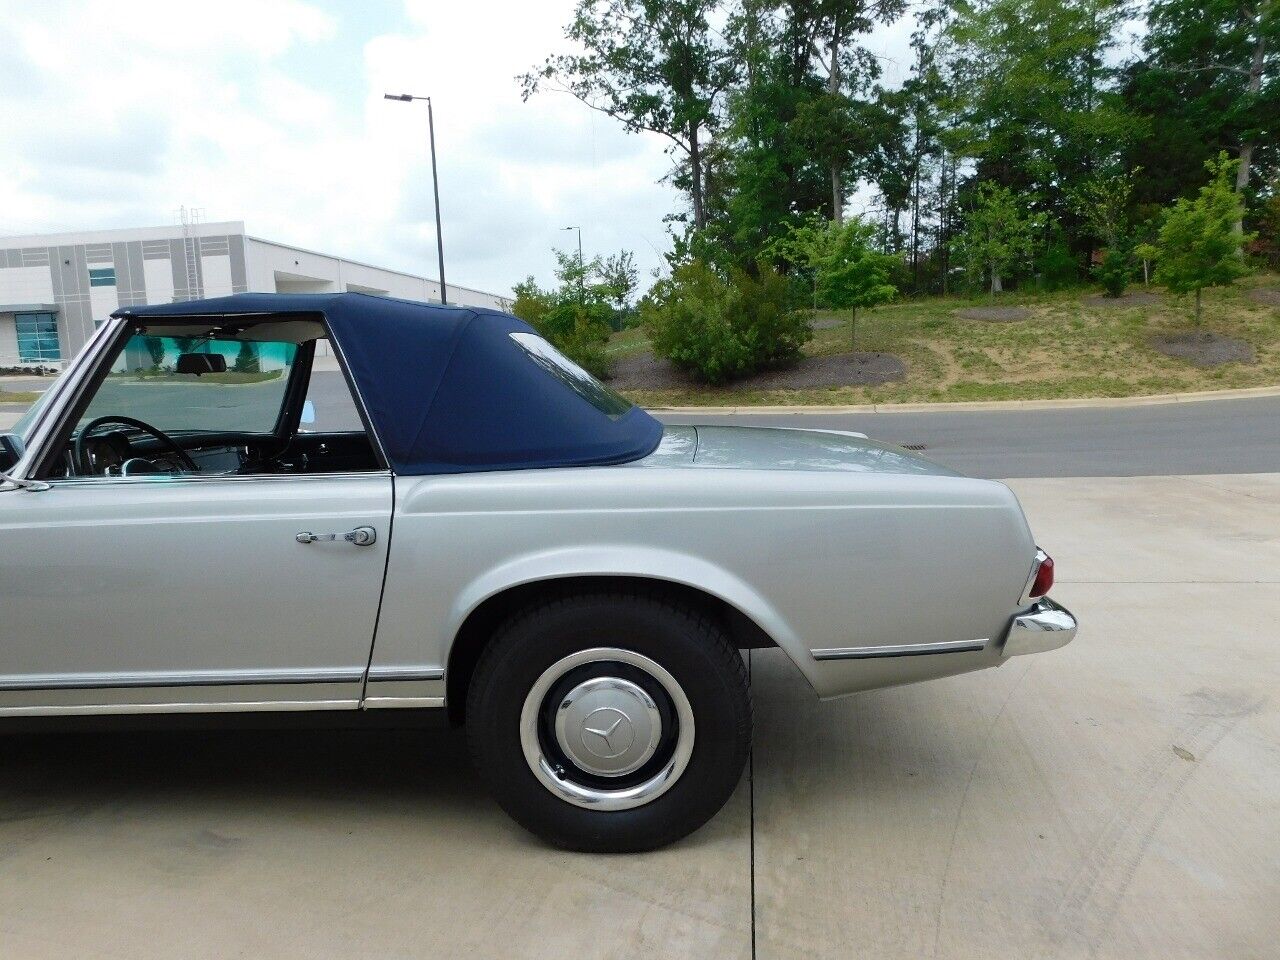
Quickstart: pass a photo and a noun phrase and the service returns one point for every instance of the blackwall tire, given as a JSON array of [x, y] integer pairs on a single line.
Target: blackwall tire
[[610, 722]]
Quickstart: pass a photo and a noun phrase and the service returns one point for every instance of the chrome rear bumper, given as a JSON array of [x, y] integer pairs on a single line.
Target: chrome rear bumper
[[1046, 626]]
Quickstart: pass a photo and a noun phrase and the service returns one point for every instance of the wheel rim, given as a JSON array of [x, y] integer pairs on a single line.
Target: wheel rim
[[607, 729]]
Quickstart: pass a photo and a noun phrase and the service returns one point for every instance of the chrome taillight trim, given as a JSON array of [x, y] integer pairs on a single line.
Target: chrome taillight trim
[[1026, 598]]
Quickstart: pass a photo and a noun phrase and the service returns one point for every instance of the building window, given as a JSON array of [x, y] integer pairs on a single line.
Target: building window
[[102, 276], [37, 337]]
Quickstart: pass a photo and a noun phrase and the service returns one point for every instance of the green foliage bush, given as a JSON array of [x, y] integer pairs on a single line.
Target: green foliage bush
[[1057, 266], [1114, 272], [721, 327]]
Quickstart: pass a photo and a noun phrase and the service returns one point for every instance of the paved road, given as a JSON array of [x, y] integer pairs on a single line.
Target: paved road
[[1115, 800], [1214, 436]]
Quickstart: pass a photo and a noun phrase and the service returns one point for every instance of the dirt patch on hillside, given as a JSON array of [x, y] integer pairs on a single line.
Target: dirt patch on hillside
[[1267, 296], [995, 314], [1124, 301], [1203, 348], [647, 372]]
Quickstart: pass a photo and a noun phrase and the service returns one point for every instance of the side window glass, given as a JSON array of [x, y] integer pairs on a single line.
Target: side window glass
[[330, 408]]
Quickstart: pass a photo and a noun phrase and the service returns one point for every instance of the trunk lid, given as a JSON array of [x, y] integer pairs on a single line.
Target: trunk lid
[[783, 448]]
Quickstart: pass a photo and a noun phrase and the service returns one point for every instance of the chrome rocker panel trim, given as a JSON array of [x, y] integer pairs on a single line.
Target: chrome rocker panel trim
[[899, 650], [1046, 626]]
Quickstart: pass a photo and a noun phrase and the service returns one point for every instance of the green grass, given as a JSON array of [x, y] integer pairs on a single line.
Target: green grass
[[19, 396], [1068, 348]]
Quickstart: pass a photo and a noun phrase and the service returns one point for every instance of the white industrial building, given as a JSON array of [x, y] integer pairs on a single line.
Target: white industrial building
[[54, 288]]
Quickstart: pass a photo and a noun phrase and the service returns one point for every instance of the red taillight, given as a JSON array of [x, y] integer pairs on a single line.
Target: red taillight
[[1043, 582]]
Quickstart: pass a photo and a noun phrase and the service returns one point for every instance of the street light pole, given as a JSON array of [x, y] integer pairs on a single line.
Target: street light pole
[[435, 181], [582, 270]]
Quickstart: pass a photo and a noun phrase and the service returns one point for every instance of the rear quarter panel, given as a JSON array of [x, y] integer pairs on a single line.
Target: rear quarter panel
[[817, 559]]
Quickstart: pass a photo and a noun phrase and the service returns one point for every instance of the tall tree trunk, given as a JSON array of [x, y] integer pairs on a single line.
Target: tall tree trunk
[[833, 89], [837, 195], [996, 286], [695, 176], [1246, 148], [915, 209]]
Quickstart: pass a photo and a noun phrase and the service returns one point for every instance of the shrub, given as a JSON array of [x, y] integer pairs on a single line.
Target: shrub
[[1057, 266], [1113, 272], [720, 328]]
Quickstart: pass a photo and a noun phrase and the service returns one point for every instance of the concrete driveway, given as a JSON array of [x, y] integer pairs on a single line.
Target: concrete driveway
[[1119, 798]]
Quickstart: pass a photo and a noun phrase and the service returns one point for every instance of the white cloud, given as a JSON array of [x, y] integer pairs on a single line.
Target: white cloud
[[269, 111]]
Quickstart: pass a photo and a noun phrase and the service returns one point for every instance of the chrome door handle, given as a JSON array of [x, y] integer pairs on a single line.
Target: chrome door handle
[[360, 536]]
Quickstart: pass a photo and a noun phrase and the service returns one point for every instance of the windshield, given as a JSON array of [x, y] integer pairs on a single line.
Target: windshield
[[23, 427], [246, 397]]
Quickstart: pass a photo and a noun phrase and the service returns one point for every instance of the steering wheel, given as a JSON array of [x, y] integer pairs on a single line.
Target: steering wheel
[[81, 455]]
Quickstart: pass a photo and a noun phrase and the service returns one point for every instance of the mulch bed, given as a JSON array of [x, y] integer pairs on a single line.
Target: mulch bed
[[1124, 301], [1268, 296], [644, 371], [830, 370], [1203, 348], [995, 314], [647, 372]]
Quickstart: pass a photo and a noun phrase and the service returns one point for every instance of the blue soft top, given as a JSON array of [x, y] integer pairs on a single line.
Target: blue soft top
[[447, 388]]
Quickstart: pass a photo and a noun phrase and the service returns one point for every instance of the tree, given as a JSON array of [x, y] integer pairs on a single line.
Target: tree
[[246, 358], [155, 347], [803, 247], [833, 26], [1104, 201], [1148, 253], [1199, 246], [1207, 81], [656, 65], [854, 274], [1039, 105], [618, 274], [999, 235]]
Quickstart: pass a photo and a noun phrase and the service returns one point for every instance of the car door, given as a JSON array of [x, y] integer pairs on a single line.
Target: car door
[[228, 583], [130, 594]]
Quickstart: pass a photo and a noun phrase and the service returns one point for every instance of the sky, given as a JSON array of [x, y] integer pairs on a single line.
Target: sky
[[115, 114]]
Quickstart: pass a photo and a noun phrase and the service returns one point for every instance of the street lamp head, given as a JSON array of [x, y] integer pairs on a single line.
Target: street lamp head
[[398, 96]]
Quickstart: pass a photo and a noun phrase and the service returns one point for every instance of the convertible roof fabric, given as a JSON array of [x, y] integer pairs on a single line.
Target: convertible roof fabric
[[447, 388]]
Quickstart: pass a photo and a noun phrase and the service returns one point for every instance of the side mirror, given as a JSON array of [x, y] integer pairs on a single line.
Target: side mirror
[[11, 450], [199, 363], [308, 412]]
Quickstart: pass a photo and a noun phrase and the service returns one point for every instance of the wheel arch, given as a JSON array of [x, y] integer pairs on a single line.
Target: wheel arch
[[484, 618]]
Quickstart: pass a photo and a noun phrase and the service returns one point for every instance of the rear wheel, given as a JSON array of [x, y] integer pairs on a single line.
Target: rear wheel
[[610, 722]]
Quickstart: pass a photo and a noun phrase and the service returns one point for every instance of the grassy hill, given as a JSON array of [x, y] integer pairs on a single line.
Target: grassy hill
[[1068, 344]]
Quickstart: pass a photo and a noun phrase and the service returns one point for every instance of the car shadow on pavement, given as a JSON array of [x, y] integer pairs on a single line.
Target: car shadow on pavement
[[42, 773]]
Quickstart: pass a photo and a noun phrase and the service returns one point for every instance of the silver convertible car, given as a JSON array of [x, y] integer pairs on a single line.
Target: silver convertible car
[[345, 502]]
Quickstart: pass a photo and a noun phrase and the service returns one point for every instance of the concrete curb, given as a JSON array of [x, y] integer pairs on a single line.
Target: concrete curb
[[988, 405]]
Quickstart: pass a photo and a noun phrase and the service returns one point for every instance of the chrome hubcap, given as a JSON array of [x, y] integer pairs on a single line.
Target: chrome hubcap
[[607, 728]]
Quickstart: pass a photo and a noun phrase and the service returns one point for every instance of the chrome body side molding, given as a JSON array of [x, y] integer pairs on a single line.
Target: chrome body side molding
[[900, 650]]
